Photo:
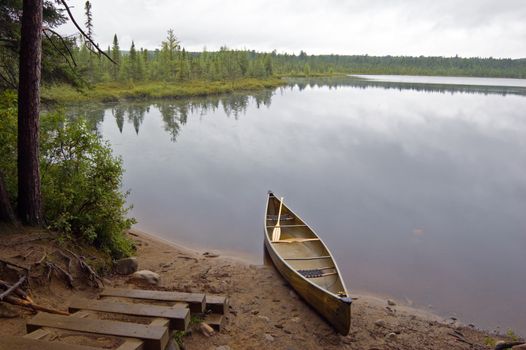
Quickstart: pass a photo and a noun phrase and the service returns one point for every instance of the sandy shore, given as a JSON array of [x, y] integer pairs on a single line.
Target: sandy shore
[[264, 314]]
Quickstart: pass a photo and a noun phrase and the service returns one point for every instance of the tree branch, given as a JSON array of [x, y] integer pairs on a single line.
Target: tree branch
[[63, 44], [12, 288], [83, 33]]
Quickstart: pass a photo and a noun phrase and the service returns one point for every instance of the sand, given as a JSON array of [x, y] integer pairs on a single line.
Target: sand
[[265, 313]]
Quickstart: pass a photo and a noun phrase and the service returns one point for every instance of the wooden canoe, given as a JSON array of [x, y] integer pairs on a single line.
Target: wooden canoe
[[306, 263]]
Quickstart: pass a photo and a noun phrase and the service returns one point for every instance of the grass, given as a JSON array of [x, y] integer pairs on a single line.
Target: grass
[[110, 92]]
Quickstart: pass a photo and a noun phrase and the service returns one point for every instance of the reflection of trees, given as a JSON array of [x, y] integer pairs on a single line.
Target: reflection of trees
[[174, 112], [338, 82], [118, 113], [93, 114], [136, 115]]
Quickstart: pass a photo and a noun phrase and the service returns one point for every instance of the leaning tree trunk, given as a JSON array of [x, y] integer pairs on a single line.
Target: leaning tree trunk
[[6, 211], [29, 197]]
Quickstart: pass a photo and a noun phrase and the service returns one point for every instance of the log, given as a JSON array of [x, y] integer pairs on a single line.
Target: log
[[12, 288], [35, 307]]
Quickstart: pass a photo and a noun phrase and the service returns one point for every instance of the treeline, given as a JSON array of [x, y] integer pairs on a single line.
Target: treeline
[[304, 64], [170, 63]]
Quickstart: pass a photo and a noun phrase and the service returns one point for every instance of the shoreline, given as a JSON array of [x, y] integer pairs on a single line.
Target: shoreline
[[374, 316], [264, 311]]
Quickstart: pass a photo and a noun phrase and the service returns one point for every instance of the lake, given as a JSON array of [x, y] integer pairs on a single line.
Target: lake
[[417, 187]]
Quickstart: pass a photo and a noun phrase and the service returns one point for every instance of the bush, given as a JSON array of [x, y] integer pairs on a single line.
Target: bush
[[81, 183]]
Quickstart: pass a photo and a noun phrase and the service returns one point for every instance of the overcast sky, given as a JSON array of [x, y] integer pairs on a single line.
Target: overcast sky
[[376, 27]]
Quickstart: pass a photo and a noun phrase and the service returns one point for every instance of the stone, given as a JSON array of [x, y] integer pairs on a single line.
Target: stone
[[264, 318], [519, 347], [390, 336], [210, 255], [223, 347], [391, 302], [268, 337], [126, 266], [146, 276], [380, 323], [206, 329]]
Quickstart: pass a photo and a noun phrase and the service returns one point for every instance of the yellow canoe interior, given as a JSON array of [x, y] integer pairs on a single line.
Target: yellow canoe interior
[[302, 249]]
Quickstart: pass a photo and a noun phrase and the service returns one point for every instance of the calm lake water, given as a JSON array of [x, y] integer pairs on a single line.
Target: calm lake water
[[418, 188]]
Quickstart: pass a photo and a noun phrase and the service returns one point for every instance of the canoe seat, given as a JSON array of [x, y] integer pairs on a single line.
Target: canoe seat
[[282, 217], [313, 273]]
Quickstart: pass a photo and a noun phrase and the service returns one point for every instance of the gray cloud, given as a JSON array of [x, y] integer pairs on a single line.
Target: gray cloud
[[376, 27]]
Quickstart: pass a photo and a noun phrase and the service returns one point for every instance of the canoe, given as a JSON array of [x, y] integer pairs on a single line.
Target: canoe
[[306, 263]]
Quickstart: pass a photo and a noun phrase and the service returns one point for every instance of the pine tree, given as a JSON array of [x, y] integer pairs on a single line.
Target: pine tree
[[116, 57]]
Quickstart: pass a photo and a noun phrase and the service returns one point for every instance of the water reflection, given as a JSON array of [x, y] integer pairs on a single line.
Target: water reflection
[[175, 112], [419, 193], [357, 82]]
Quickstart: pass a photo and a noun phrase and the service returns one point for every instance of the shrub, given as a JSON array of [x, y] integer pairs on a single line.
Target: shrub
[[81, 181]]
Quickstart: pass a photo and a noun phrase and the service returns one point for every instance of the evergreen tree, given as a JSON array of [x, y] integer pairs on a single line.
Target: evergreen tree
[[116, 57]]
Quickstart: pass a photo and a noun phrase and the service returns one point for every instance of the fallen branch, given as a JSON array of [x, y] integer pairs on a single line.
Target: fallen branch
[[18, 291], [9, 263], [35, 307], [12, 288]]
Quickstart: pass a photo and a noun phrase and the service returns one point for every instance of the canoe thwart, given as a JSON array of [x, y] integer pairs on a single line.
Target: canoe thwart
[[296, 240], [311, 258]]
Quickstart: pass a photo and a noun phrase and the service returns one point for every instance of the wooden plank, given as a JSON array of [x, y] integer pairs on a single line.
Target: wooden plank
[[179, 316], [217, 304], [310, 258], [19, 343], [38, 334], [196, 301], [155, 338], [132, 344], [215, 321]]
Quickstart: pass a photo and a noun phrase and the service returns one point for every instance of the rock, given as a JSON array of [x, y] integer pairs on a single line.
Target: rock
[[268, 337], [278, 325], [391, 302], [390, 336], [519, 347], [147, 276], [126, 266], [206, 329], [210, 255], [264, 318], [255, 312], [380, 323], [223, 347]]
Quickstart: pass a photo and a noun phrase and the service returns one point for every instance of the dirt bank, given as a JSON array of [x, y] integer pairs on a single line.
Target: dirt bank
[[265, 313]]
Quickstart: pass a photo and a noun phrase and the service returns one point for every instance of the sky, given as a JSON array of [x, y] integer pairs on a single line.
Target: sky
[[468, 28]]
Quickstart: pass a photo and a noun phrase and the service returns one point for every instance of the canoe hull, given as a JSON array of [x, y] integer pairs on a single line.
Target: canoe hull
[[335, 310]]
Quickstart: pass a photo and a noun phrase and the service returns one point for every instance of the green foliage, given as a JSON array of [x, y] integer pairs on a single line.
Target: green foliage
[[511, 334], [81, 182], [8, 140], [81, 179], [489, 341]]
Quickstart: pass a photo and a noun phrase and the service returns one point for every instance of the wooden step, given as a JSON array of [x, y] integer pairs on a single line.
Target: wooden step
[[179, 316], [217, 304], [154, 337], [18, 343], [216, 321], [196, 301]]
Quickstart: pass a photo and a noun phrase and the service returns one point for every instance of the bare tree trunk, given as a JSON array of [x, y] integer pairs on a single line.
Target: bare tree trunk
[[29, 197], [6, 211]]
